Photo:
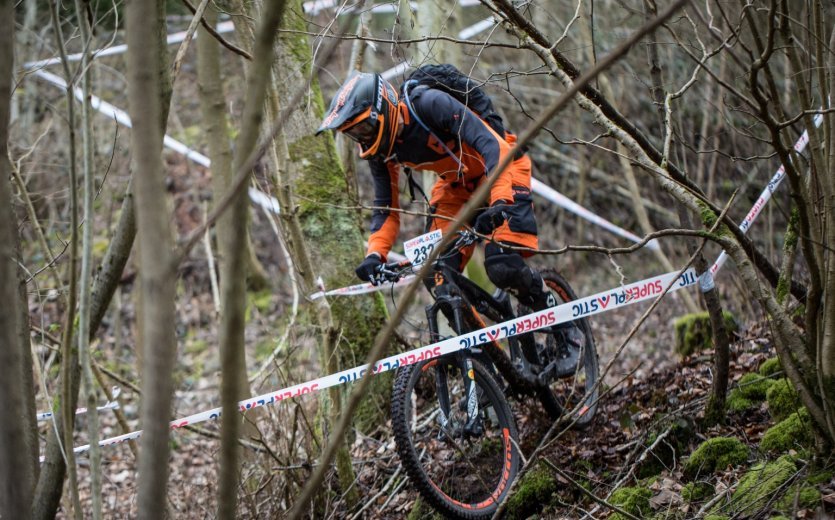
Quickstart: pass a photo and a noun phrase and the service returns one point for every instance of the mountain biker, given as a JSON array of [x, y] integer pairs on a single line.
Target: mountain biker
[[367, 109]]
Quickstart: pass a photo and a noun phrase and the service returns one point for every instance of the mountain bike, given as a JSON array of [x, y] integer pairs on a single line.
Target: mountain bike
[[453, 427]]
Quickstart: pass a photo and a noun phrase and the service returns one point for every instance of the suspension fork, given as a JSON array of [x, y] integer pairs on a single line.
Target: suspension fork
[[463, 360]]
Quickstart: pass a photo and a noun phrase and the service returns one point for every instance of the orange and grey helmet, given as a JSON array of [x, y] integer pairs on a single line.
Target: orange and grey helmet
[[365, 109]]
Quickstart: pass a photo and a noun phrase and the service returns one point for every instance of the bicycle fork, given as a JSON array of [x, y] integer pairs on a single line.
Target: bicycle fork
[[463, 361]]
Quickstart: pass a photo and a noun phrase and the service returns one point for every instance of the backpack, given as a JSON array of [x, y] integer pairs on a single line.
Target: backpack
[[449, 79]]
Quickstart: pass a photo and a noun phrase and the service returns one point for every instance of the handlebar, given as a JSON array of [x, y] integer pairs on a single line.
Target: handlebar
[[394, 271]]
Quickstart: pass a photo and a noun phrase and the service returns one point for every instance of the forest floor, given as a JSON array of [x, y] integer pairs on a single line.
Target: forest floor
[[660, 395], [666, 400]]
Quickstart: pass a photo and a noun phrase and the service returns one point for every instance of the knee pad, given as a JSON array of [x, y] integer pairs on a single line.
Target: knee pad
[[508, 271]]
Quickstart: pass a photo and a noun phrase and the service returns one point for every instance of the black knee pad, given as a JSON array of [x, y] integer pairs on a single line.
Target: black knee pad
[[508, 270]]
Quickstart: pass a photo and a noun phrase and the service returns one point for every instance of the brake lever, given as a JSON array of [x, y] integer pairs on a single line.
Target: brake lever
[[387, 273]]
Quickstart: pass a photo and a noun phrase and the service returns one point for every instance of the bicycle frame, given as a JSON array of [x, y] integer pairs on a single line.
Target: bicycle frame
[[462, 301]]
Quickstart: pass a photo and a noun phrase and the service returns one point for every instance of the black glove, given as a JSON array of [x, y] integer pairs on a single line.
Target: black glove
[[367, 270], [491, 218]]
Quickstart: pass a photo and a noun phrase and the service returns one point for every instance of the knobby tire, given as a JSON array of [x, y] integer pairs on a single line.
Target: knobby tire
[[463, 477]]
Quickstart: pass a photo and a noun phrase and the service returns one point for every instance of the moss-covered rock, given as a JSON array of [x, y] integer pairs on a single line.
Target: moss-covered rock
[[758, 486], [534, 493], [782, 399], [633, 500], [696, 491], [807, 498], [754, 386], [713, 454], [693, 332], [750, 390], [770, 367], [794, 432], [737, 403]]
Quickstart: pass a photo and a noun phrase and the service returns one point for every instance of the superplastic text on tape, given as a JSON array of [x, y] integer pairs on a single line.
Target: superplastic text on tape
[[582, 307]]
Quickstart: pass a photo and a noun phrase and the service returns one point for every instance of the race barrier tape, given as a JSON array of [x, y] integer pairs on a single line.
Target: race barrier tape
[[601, 302], [765, 196], [109, 405], [362, 288], [598, 303]]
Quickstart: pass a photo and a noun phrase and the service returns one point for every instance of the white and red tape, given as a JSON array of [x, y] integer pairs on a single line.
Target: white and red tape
[[595, 304]]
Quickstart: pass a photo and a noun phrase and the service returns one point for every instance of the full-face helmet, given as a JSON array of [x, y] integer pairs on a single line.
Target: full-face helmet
[[365, 109]]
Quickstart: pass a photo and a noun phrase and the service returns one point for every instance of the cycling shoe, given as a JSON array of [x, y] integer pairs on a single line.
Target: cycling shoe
[[569, 344]]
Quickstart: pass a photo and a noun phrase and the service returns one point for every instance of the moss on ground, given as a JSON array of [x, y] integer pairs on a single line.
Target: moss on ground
[[807, 498], [696, 491], [758, 486], [754, 386], [533, 493], [737, 403], [693, 332], [713, 454], [262, 300], [770, 367], [423, 511], [782, 399], [794, 432], [750, 390], [820, 477], [633, 500]]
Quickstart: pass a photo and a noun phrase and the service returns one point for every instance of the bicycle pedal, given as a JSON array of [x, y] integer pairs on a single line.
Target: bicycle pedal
[[568, 361]]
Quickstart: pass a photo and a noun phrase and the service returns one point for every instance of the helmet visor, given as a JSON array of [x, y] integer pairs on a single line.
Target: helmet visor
[[364, 132]]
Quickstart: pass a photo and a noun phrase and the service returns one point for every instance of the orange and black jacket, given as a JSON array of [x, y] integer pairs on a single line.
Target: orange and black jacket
[[474, 143]]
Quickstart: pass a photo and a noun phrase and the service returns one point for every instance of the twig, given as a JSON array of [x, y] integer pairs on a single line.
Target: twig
[[120, 415], [210, 258], [370, 501], [294, 285], [223, 41], [588, 493], [643, 457], [68, 399], [181, 51]]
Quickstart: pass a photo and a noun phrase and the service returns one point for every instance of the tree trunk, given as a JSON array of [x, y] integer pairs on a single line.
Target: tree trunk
[[213, 109], [330, 233], [233, 247], [156, 258], [86, 276], [16, 464]]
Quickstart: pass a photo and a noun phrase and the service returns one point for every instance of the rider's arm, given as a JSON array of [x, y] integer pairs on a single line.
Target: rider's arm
[[444, 113], [384, 223]]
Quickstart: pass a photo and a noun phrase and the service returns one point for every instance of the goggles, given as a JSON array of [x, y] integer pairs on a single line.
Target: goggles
[[364, 132]]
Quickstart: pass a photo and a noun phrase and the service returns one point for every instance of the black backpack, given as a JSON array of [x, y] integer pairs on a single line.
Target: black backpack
[[449, 79]]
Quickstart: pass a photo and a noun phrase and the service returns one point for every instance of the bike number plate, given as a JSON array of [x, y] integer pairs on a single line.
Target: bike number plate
[[419, 248]]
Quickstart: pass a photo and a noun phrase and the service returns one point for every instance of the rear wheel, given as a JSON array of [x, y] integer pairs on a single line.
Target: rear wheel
[[571, 353], [461, 466]]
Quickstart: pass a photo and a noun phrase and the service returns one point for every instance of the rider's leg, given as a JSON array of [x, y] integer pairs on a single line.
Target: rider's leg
[[508, 271], [447, 199]]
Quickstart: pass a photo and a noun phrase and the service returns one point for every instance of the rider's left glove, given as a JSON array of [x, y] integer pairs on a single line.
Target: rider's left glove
[[369, 268], [492, 217]]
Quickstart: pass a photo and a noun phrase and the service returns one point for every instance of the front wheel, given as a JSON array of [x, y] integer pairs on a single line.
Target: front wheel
[[455, 435], [571, 353]]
